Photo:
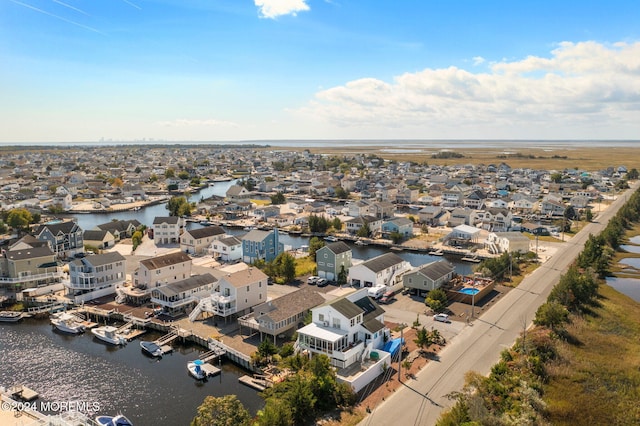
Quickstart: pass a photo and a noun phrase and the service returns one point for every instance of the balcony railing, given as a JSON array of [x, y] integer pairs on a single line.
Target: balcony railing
[[31, 278], [174, 304]]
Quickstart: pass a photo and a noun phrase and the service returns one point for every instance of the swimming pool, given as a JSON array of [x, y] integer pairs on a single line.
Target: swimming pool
[[469, 290]]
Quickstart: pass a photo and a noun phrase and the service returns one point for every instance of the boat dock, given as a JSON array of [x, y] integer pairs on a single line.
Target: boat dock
[[23, 393], [130, 333], [473, 259], [254, 382], [210, 370]]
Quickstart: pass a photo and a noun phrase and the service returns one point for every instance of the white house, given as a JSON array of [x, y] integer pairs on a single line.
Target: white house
[[384, 270], [175, 298], [167, 230], [228, 249], [161, 270], [95, 276], [350, 331], [198, 241], [507, 242]]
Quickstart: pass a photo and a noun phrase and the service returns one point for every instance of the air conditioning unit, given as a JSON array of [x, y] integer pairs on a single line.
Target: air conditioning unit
[[325, 323]]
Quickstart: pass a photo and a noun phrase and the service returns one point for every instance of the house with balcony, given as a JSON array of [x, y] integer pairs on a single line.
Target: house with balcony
[[350, 331], [167, 230], [283, 315], [428, 277], [332, 259], [355, 224], [161, 270], [178, 297], [24, 266], [65, 238], [261, 245], [198, 241], [227, 249], [384, 270], [507, 242], [95, 276], [234, 294], [121, 229], [400, 225]]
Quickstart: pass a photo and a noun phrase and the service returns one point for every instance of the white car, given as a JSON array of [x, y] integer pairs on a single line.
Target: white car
[[441, 317]]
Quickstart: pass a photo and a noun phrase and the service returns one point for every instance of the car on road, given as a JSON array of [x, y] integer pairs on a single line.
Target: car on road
[[313, 280], [322, 282], [441, 318]]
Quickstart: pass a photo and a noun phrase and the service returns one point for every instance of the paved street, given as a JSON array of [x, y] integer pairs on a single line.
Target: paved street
[[478, 347]]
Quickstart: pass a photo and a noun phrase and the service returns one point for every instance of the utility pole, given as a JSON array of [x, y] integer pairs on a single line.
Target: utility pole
[[400, 357]]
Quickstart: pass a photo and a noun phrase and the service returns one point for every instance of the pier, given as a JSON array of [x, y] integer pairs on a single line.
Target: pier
[[23, 393]]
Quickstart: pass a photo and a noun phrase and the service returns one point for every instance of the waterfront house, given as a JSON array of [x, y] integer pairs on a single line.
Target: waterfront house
[[237, 193], [282, 315], [552, 207], [354, 225], [261, 245], [384, 270], [332, 259], [237, 292], [433, 216], [428, 277], [167, 230], [177, 297], [25, 267], [99, 239], [64, 238], [400, 225], [464, 233], [227, 249], [198, 241], [164, 269], [507, 242], [121, 229], [350, 331], [95, 276]]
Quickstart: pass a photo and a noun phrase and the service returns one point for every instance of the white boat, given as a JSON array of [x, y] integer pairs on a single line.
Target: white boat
[[195, 369], [361, 243], [10, 316], [118, 420], [331, 239], [67, 323], [109, 334], [151, 348]]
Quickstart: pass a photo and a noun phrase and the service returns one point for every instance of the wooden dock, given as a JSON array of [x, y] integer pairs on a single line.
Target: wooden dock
[[210, 370], [258, 384], [23, 393]]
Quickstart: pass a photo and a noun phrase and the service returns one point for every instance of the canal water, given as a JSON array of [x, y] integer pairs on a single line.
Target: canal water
[[80, 370]]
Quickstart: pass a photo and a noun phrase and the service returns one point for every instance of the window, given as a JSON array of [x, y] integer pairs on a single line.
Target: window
[[320, 317]]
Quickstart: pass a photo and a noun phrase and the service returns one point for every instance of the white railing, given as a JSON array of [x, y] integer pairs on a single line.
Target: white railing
[[29, 278], [174, 304]]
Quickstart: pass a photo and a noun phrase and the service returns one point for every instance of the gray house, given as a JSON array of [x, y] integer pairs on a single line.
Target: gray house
[[429, 277], [332, 258]]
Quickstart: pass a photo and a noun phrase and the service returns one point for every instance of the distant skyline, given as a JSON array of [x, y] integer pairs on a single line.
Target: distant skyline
[[241, 70]]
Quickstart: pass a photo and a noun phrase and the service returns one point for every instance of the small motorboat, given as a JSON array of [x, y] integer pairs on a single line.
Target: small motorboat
[[118, 420], [151, 348], [196, 370], [67, 323], [10, 316], [109, 334]]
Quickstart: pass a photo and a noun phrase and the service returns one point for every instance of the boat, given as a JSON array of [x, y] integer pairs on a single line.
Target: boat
[[151, 348], [195, 369], [109, 334], [136, 208], [67, 323], [118, 420], [331, 239], [473, 259], [436, 253], [10, 316], [361, 243]]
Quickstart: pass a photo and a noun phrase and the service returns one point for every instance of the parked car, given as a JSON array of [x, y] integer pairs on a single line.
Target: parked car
[[441, 318], [387, 298], [313, 280], [322, 282]]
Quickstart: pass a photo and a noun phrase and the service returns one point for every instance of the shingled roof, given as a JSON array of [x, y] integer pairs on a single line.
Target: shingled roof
[[165, 260], [382, 262], [208, 231], [338, 247]]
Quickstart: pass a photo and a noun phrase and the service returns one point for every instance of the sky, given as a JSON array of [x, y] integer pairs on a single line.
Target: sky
[[234, 70]]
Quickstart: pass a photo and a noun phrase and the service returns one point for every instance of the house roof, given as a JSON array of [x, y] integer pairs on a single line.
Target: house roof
[[243, 278], [256, 235], [165, 260], [174, 289], [289, 305], [119, 225], [30, 253], [92, 235], [382, 262], [29, 240], [230, 241], [401, 221], [207, 231], [172, 220], [346, 307], [65, 227], [338, 247], [373, 325], [436, 270], [371, 309], [100, 259]]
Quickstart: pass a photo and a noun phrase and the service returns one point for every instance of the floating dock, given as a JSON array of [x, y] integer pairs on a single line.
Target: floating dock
[[258, 384], [210, 370]]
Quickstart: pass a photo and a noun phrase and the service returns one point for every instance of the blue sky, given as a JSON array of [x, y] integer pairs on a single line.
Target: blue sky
[[225, 70]]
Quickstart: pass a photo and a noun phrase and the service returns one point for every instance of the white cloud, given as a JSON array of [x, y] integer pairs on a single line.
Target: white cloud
[[274, 8], [184, 122], [478, 60], [580, 86]]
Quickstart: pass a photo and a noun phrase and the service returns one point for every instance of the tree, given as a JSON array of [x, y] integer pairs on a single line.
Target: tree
[[288, 267], [315, 244], [19, 219], [336, 224], [436, 300], [278, 198], [364, 231], [184, 175], [179, 206], [396, 237], [223, 411], [136, 239], [556, 177], [342, 275], [170, 173], [632, 174], [551, 314], [341, 192], [275, 413], [137, 170], [588, 215]]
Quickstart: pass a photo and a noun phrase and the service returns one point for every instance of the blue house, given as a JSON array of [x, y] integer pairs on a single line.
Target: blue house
[[263, 245], [401, 225]]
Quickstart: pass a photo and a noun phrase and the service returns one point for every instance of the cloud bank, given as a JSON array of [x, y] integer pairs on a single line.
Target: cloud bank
[[274, 8], [184, 122], [580, 84]]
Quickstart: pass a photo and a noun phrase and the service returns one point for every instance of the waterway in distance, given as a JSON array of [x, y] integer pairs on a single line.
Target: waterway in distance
[[80, 369]]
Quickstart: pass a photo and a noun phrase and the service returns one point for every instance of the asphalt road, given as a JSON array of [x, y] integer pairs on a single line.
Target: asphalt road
[[477, 347]]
